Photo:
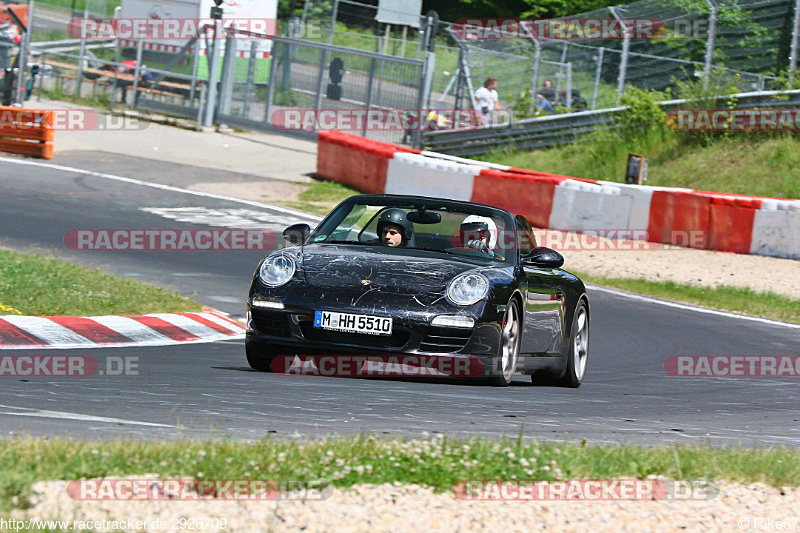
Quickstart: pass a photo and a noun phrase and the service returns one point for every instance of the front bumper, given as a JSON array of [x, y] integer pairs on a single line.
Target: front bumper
[[412, 333]]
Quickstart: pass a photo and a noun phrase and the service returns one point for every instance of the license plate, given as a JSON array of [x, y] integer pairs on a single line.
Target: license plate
[[350, 323]]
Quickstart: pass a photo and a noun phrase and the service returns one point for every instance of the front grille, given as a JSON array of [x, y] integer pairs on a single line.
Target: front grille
[[398, 339], [271, 323], [445, 340]]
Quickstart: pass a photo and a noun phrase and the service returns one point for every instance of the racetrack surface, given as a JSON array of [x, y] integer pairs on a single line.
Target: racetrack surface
[[206, 390]]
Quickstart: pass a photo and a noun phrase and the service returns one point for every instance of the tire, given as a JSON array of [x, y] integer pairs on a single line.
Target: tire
[[259, 356], [578, 354], [510, 338]]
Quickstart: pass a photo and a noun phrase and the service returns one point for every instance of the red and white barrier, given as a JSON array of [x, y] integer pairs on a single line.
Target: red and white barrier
[[683, 217], [20, 332]]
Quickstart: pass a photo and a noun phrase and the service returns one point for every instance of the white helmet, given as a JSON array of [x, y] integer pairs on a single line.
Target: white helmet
[[480, 223]]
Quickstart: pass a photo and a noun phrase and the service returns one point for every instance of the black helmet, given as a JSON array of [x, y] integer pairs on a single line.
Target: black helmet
[[398, 217]]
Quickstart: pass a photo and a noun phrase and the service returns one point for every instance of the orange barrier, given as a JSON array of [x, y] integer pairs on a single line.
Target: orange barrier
[[355, 161], [730, 223], [675, 214], [519, 193], [26, 131]]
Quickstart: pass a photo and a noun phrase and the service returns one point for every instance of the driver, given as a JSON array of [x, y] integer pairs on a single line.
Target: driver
[[394, 228], [479, 233]]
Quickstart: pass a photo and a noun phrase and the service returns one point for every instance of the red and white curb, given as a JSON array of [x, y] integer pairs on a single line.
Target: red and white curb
[[158, 329]]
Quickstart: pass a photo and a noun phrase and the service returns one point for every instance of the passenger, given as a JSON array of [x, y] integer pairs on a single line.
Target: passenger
[[479, 233], [394, 228]]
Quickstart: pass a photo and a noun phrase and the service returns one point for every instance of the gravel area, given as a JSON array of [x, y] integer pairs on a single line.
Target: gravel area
[[412, 508]]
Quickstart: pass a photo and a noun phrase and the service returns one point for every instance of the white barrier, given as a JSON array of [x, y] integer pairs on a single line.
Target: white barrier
[[776, 229], [578, 205], [425, 176]]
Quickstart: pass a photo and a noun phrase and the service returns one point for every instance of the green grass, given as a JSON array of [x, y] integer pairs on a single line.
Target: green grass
[[321, 197], [438, 462], [738, 300], [757, 164], [38, 285], [102, 100]]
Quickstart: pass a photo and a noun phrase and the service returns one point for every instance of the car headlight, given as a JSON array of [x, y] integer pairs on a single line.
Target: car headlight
[[277, 270], [467, 289]]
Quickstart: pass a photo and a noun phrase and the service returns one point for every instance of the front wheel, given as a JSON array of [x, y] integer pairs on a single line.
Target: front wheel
[[578, 354], [259, 356], [510, 337]]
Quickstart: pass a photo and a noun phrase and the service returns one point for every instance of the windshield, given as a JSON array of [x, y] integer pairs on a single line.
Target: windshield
[[446, 227]]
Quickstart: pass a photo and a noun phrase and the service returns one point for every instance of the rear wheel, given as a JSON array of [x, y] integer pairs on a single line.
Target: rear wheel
[[509, 347]]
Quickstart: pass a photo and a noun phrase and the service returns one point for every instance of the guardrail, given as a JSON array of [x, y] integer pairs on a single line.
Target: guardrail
[[554, 130]]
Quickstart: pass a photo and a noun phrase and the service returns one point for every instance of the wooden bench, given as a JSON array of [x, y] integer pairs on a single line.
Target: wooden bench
[[106, 78]]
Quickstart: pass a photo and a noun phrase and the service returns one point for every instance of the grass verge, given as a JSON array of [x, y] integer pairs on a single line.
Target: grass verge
[[321, 197], [438, 462], [38, 285], [725, 298]]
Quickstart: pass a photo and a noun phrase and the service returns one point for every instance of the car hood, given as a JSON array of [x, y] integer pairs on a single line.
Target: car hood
[[351, 267]]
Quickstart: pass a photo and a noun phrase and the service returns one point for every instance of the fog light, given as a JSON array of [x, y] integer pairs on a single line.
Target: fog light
[[262, 302], [454, 321]]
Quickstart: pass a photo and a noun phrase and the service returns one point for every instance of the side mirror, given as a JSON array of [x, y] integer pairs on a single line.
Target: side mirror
[[297, 233], [543, 257]]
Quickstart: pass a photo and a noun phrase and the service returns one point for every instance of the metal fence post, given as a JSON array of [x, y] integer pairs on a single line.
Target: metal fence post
[[271, 80], [626, 44], [24, 48], [597, 75], [561, 68], [195, 65], [795, 37], [228, 73], [369, 93], [137, 73], [251, 74], [537, 60], [43, 60], [320, 80], [82, 53], [568, 100], [712, 30], [333, 20], [213, 68]]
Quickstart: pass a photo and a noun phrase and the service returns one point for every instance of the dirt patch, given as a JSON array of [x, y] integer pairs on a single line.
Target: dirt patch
[[266, 191], [412, 508]]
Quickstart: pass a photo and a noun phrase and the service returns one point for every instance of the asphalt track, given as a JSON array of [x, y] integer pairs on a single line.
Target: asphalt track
[[207, 390]]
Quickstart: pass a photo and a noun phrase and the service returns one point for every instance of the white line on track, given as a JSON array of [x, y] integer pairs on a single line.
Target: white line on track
[[691, 307], [76, 416], [305, 216], [315, 218]]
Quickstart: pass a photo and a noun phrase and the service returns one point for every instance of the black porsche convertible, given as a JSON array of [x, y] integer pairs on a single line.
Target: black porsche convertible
[[388, 274]]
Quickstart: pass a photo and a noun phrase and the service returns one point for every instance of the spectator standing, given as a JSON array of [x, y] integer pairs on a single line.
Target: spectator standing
[[486, 97]]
